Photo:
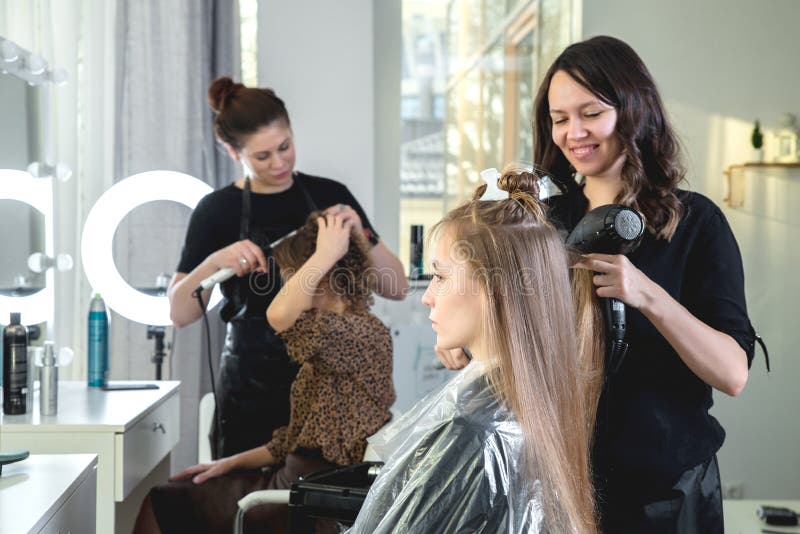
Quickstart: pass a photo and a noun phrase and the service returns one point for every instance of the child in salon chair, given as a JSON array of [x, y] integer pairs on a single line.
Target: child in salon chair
[[341, 395]]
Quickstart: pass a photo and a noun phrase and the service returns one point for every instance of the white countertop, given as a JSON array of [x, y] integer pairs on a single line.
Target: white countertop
[[33, 490], [87, 409]]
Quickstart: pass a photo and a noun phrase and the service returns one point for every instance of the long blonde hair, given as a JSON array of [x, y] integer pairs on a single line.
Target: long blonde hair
[[547, 371]]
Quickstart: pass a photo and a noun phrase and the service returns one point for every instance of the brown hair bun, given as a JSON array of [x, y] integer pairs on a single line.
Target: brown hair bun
[[522, 184], [221, 91]]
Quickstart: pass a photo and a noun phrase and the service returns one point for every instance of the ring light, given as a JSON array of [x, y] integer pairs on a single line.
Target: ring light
[[98, 236]]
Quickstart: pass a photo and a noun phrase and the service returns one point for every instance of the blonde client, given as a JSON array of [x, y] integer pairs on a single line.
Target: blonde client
[[503, 447]]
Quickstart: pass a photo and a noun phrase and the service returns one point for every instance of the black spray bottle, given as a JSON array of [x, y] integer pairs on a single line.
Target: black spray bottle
[[415, 261], [15, 367]]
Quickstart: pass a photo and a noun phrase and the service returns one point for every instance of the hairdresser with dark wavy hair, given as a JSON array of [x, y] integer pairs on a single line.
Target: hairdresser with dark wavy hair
[[233, 228], [601, 129]]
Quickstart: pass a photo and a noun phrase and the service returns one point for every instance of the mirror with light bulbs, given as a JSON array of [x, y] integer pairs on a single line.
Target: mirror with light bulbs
[[21, 142], [27, 170]]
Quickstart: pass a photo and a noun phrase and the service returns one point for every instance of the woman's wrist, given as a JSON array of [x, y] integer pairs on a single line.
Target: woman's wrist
[[242, 460], [321, 261], [211, 261], [250, 459], [654, 298], [231, 463]]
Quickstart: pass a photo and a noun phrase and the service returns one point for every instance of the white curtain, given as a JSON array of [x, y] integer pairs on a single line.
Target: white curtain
[[69, 34], [135, 101], [167, 53]]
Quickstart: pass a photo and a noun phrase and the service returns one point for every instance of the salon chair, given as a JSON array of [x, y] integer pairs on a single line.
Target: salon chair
[[335, 494]]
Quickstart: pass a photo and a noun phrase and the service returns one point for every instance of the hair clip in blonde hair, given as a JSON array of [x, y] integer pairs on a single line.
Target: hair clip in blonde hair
[[548, 188], [491, 176]]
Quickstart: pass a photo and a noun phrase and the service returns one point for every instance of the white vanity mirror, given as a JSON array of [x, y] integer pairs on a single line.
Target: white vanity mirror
[[28, 256], [25, 205]]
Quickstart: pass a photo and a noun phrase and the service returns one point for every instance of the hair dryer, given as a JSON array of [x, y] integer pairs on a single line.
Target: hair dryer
[[610, 229]]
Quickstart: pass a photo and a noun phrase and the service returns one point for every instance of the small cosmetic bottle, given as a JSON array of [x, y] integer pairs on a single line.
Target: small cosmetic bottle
[[48, 382]]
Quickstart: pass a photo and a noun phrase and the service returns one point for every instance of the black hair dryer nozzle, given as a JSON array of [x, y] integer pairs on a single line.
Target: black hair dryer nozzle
[[610, 229]]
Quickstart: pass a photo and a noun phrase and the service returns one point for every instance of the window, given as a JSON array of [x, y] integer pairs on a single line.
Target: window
[[248, 17], [470, 73]]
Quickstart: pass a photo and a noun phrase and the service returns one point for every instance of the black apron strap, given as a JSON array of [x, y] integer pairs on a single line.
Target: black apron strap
[[244, 222], [312, 206]]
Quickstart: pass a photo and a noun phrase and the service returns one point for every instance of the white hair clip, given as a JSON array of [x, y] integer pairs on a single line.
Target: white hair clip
[[547, 188], [491, 176]]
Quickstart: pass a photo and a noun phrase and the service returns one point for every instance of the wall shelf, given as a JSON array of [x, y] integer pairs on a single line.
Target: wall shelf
[[734, 176], [728, 170]]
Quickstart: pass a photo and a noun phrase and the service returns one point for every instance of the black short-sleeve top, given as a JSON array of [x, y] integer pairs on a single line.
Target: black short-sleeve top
[[653, 421], [216, 221]]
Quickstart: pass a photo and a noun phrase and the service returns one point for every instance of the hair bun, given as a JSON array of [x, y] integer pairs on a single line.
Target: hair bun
[[517, 179], [520, 179], [522, 184], [220, 92]]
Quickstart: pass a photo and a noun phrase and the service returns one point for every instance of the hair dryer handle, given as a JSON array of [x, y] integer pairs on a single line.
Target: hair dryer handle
[[615, 333], [615, 319]]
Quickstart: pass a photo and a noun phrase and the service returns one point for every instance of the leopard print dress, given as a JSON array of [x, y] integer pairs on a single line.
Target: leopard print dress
[[343, 390]]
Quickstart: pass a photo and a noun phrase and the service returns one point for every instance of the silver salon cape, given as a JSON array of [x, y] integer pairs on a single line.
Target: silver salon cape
[[452, 465]]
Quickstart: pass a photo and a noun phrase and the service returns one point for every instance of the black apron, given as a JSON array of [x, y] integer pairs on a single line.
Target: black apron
[[256, 373], [693, 505]]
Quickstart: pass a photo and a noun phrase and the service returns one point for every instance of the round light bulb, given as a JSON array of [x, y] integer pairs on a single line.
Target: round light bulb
[[36, 64], [38, 169], [64, 262], [9, 51], [59, 76], [65, 356], [38, 262], [63, 172]]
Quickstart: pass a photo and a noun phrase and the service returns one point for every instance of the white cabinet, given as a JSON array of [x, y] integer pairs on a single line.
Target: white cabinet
[[132, 432], [49, 494], [142, 446]]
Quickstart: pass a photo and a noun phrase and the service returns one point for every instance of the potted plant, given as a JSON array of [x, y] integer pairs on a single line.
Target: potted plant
[[757, 138]]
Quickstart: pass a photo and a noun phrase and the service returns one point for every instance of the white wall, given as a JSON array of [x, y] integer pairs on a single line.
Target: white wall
[[720, 64], [318, 57]]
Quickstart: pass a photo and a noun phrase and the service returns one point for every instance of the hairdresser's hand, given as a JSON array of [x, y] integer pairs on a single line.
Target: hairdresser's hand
[[333, 237], [618, 278], [243, 257], [201, 472], [452, 358], [348, 214]]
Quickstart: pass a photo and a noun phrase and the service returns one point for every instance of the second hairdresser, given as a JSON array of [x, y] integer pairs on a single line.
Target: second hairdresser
[[601, 129], [232, 228]]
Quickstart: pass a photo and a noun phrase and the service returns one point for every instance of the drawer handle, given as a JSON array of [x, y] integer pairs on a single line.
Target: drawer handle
[[159, 426]]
